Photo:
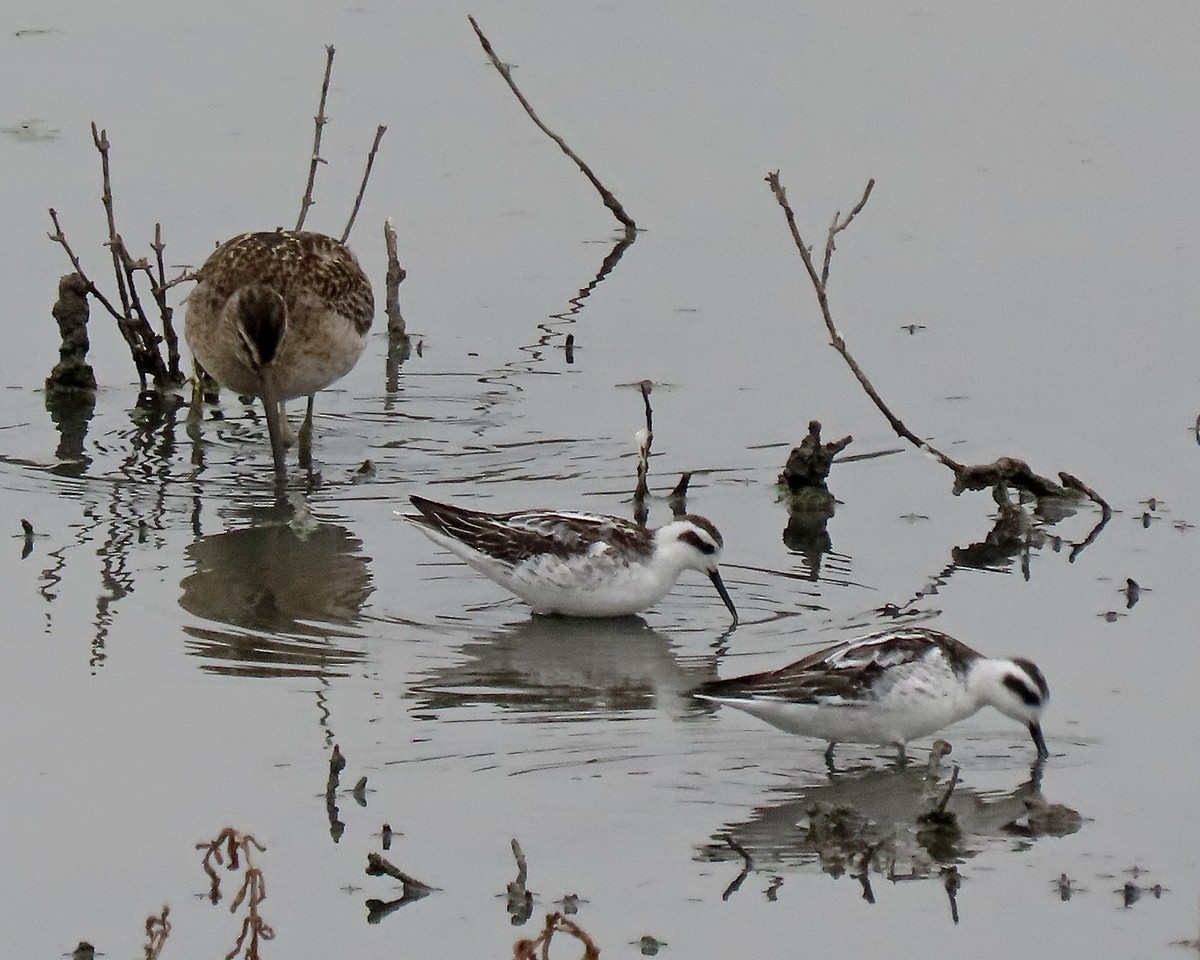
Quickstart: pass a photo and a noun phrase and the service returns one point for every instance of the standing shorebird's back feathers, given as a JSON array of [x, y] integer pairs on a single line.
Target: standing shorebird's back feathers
[[295, 265]]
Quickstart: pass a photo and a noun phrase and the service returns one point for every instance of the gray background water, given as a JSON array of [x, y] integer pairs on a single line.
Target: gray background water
[[175, 660]]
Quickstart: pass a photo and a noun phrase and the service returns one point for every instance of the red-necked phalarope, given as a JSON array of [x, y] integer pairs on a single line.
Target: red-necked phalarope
[[888, 688], [578, 564], [279, 315]]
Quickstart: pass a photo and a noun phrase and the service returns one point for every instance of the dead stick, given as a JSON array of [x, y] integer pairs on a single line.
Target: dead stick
[[839, 343], [158, 286], [838, 226], [319, 120], [147, 339], [606, 195], [61, 238], [362, 188], [100, 138], [395, 277]]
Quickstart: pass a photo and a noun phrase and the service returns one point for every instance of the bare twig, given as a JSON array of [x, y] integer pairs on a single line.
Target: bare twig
[[528, 949], [158, 286], [645, 439], [606, 195], [319, 121], [238, 849], [362, 187], [1006, 470], [60, 238], [395, 277], [838, 226], [158, 928], [100, 138]]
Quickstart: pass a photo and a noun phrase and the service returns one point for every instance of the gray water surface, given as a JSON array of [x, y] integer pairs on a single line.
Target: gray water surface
[[182, 653]]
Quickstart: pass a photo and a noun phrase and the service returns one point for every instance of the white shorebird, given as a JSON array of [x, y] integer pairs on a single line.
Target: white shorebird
[[278, 316], [888, 688], [578, 564]]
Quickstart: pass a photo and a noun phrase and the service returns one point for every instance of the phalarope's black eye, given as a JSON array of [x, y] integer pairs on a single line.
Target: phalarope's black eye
[[692, 537], [1030, 697]]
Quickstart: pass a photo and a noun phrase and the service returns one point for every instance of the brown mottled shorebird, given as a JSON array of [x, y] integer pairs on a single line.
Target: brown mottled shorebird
[[278, 316]]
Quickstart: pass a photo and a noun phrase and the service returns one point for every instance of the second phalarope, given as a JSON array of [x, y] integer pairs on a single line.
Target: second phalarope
[[278, 316], [578, 564], [888, 688]]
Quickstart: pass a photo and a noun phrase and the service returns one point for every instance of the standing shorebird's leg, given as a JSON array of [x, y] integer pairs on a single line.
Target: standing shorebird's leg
[[901, 755], [829, 755], [306, 432]]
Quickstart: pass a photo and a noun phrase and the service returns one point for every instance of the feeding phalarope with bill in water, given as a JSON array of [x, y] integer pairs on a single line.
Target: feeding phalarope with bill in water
[[888, 688], [578, 564], [278, 316]]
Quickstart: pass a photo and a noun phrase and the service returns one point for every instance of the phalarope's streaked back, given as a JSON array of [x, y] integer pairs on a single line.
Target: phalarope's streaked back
[[578, 564], [279, 315], [888, 688]]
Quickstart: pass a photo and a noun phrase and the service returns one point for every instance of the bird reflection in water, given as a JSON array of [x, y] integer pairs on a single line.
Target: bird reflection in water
[[290, 584], [900, 824], [568, 666]]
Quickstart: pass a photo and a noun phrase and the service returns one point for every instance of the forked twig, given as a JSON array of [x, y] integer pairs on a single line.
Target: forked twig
[[60, 238], [238, 849], [158, 928], [319, 121], [1002, 472], [606, 195], [555, 922]]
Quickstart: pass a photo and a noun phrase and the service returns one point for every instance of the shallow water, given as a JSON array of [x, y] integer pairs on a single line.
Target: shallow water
[[183, 652]]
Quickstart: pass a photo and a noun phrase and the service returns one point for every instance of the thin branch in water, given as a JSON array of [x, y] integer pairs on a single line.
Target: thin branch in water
[[606, 195], [239, 849], [395, 277], [362, 187], [100, 138], [836, 338], [1005, 470], [838, 226], [159, 287], [555, 922], [60, 238], [645, 438], [158, 928], [319, 121]]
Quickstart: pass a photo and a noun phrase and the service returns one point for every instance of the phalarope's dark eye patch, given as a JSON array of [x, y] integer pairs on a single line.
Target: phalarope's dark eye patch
[[692, 537], [1031, 698]]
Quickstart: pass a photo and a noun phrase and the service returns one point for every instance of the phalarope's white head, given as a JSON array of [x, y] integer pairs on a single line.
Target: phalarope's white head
[[888, 688], [578, 564], [279, 315]]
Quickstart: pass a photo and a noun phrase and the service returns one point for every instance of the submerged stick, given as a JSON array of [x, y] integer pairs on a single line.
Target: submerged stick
[[606, 195], [319, 122]]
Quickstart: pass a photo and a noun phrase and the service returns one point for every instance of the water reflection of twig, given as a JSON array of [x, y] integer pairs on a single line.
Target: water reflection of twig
[[1016, 535]]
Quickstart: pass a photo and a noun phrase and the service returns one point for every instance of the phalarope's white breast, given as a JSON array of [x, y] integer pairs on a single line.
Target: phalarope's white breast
[[888, 688], [279, 315], [578, 564]]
